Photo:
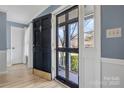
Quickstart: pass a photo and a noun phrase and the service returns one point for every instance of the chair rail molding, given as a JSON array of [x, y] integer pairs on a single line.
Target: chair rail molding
[[112, 61]]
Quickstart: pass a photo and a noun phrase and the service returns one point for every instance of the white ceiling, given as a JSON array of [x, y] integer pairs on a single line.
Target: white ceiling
[[22, 13]]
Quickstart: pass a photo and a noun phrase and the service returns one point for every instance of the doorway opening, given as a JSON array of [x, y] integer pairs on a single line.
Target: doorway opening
[[17, 45], [21, 46], [67, 47]]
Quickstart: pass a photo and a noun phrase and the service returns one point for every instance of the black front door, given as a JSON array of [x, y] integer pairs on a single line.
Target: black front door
[[42, 43], [37, 42], [67, 47]]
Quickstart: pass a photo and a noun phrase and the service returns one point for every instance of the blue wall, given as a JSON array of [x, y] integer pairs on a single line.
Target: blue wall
[[3, 43], [112, 17], [9, 24]]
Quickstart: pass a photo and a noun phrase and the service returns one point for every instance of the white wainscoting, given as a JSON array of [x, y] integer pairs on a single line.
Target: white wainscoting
[[113, 61], [9, 57], [112, 73], [3, 61]]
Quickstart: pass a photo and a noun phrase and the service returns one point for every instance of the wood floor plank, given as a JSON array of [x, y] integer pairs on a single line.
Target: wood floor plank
[[18, 76]]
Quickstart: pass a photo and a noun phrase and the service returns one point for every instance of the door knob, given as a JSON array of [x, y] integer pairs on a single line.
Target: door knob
[[13, 47]]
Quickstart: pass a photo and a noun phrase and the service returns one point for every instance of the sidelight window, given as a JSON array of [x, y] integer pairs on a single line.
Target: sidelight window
[[89, 26]]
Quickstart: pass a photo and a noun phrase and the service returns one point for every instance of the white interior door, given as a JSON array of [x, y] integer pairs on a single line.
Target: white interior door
[[17, 45]]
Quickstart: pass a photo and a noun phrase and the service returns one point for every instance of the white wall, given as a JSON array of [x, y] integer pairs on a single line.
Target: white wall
[[9, 57], [112, 73]]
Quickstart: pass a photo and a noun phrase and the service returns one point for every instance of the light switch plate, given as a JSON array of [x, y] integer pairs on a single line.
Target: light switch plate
[[113, 33]]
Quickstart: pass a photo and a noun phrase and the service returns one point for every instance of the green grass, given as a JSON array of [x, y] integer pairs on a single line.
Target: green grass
[[74, 63]]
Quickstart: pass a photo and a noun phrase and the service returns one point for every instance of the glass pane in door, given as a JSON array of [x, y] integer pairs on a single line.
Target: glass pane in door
[[61, 37], [61, 19], [61, 64], [73, 67], [73, 14], [73, 35]]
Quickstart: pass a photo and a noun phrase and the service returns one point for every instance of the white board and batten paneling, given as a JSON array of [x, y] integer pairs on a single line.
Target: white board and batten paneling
[[89, 58]]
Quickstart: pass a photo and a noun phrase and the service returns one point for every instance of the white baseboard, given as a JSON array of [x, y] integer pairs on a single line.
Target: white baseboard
[[113, 61]]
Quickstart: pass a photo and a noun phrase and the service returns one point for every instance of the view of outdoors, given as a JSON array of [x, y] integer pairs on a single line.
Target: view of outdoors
[[61, 33], [68, 61], [61, 61], [73, 38], [89, 27], [73, 35], [73, 57], [73, 67], [89, 32]]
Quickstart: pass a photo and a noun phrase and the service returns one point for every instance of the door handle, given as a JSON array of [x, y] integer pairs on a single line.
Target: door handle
[[13, 47]]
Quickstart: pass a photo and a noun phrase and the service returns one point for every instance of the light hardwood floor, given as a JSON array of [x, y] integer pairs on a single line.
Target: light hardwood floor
[[18, 76]]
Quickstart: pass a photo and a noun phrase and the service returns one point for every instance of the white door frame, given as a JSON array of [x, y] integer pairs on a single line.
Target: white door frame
[[81, 46], [30, 56], [53, 37]]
